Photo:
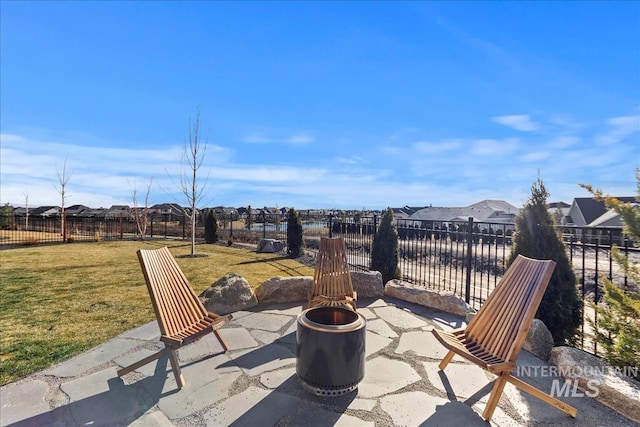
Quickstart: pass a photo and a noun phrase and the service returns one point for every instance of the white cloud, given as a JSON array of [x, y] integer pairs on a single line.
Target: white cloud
[[353, 160], [299, 138], [564, 141], [619, 129], [493, 147], [535, 156], [521, 122]]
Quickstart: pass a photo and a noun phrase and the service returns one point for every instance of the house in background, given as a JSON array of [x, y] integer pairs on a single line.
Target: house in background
[[588, 212], [497, 211], [560, 211], [594, 222], [405, 212]]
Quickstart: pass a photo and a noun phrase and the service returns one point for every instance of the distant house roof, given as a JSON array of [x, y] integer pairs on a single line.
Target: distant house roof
[[586, 210], [486, 210], [76, 210], [45, 210], [167, 208]]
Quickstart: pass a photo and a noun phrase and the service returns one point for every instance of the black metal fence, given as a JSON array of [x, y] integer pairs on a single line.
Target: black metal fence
[[464, 257]]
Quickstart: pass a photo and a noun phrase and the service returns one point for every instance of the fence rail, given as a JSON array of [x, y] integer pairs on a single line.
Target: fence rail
[[464, 257]]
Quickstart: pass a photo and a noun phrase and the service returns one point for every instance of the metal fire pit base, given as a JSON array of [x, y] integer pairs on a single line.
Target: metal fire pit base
[[330, 351]]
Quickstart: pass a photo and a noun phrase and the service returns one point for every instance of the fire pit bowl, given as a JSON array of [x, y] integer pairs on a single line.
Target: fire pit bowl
[[330, 350]]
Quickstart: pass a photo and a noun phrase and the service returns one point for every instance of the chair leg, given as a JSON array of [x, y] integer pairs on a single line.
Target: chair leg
[[496, 392], [444, 362], [175, 367], [223, 343], [567, 409], [142, 362]]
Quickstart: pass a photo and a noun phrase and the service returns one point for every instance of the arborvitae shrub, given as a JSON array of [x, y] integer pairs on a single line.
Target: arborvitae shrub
[[618, 325], [536, 237], [211, 227], [384, 254], [294, 234]]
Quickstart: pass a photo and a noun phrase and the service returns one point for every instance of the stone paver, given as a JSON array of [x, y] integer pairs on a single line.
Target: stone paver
[[89, 360], [375, 343], [418, 408], [255, 383], [21, 401], [461, 380], [400, 318], [267, 358], [265, 321], [383, 376], [101, 398], [381, 328]]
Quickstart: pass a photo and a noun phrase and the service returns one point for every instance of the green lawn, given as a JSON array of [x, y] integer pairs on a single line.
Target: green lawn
[[57, 301]]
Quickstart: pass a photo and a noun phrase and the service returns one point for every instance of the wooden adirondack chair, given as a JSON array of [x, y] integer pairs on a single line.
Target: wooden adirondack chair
[[331, 279], [495, 335], [180, 314]]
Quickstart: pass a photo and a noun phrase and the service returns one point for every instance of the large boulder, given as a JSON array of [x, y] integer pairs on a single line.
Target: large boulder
[[270, 245], [230, 293], [367, 284], [285, 289], [443, 301], [539, 340], [598, 380]]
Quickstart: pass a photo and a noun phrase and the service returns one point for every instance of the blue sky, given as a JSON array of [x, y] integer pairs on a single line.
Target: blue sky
[[319, 104]]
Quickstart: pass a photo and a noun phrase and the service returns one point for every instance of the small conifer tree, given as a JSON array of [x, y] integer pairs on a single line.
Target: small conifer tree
[[384, 254], [618, 327], [294, 234], [536, 237], [6, 217], [211, 227]]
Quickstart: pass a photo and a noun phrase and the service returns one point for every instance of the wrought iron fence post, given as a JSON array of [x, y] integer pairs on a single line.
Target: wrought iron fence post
[[467, 285]]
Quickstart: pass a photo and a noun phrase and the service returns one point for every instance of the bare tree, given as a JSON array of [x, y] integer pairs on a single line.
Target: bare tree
[[191, 161], [63, 180], [141, 215]]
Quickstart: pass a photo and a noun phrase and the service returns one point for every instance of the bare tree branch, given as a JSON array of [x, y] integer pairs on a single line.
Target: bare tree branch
[[63, 179], [192, 159], [141, 215]]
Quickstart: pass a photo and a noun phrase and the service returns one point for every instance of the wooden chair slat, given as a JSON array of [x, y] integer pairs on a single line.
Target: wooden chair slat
[[494, 337], [181, 316], [332, 284]]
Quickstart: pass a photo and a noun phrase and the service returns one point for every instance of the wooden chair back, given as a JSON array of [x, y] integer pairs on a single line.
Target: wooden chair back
[[494, 337], [181, 316], [331, 279], [176, 305], [501, 324]]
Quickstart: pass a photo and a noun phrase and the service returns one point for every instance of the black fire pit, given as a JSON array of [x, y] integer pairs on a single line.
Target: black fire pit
[[330, 350]]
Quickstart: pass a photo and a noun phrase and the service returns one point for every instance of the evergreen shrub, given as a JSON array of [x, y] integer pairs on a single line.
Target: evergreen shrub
[[384, 253]]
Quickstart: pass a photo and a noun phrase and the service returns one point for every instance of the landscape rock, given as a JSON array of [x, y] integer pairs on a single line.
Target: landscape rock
[[444, 301], [617, 391], [230, 293], [539, 340], [270, 246], [367, 284], [285, 289]]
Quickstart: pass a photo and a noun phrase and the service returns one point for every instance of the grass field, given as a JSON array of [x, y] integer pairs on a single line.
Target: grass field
[[57, 301]]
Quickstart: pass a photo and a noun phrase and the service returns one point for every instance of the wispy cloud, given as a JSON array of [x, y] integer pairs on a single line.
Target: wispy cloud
[[520, 122], [619, 128], [298, 138], [494, 147]]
